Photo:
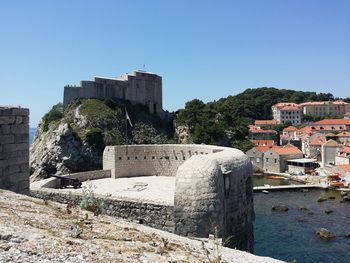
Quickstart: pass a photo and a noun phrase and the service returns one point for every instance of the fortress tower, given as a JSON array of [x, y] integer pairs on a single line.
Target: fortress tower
[[139, 87]]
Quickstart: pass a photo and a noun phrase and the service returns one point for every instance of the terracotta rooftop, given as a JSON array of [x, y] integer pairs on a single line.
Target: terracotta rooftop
[[262, 148], [290, 128], [345, 149], [285, 104], [265, 122], [320, 103], [318, 141], [286, 149], [256, 129], [344, 134], [333, 122], [263, 142], [305, 130], [345, 167]]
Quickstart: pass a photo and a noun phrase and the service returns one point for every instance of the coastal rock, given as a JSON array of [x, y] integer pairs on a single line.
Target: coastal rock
[[331, 197], [59, 151], [346, 198], [328, 211], [325, 234], [343, 193], [347, 234], [303, 209], [280, 208], [321, 199]]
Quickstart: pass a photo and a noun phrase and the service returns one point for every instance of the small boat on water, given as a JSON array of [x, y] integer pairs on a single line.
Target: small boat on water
[[265, 192], [276, 177]]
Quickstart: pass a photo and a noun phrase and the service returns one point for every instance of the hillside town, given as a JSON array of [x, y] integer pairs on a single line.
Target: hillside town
[[311, 151]]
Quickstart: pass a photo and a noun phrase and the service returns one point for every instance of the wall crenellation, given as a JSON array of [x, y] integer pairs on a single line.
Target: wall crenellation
[[14, 149]]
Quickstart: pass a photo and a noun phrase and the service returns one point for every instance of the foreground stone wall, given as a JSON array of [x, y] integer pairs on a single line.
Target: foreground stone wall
[[154, 215], [14, 149]]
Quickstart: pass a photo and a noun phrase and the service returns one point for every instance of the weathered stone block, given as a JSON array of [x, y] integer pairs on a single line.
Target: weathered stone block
[[20, 129], [5, 129], [7, 139], [7, 119]]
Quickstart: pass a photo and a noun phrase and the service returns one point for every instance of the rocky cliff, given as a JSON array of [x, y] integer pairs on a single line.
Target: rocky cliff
[[72, 139]]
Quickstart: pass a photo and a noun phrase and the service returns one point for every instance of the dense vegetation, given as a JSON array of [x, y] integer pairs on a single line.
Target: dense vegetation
[[225, 122]]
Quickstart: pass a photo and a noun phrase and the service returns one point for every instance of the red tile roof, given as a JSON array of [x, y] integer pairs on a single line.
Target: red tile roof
[[262, 148], [265, 122], [285, 104], [345, 167], [256, 129], [345, 149], [318, 141], [290, 128], [263, 142], [333, 122], [337, 102], [286, 149], [305, 130], [344, 134]]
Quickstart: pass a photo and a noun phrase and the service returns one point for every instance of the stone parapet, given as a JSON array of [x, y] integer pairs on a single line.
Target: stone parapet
[[154, 215]]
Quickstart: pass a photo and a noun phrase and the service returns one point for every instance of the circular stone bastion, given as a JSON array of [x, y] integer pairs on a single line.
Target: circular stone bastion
[[191, 190]]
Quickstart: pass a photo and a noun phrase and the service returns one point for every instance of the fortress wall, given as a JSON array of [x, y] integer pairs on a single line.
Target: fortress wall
[[154, 215], [137, 160], [14, 149], [140, 87]]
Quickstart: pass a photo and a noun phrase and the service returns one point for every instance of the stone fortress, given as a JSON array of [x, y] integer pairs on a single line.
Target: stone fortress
[[139, 87], [206, 188]]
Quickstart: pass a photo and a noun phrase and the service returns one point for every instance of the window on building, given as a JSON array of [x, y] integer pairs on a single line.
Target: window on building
[[275, 160], [257, 159], [267, 160]]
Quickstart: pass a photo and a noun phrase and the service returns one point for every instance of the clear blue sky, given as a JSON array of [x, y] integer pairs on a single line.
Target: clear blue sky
[[202, 49]]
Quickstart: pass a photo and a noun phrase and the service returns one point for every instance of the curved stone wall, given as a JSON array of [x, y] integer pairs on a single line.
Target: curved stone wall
[[213, 188], [138, 160]]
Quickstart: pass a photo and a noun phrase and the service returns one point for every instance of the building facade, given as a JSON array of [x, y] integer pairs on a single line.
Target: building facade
[[140, 87], [287, 112], [325, 108]]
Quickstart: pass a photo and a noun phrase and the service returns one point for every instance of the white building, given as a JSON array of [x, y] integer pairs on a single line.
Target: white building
[[287, 112]]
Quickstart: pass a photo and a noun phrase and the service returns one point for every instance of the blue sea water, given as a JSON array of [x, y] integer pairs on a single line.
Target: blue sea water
[[281, 236], [32, 132]]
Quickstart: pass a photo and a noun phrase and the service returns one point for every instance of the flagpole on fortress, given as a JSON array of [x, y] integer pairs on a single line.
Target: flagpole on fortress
[[127, 119]]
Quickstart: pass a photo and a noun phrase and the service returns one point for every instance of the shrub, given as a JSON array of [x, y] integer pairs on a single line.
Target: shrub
[[95, 138], [89, 201], [55, 114]]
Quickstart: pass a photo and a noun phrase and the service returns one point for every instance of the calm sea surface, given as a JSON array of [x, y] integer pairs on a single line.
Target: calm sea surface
[[280, 235], [31, 134]]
